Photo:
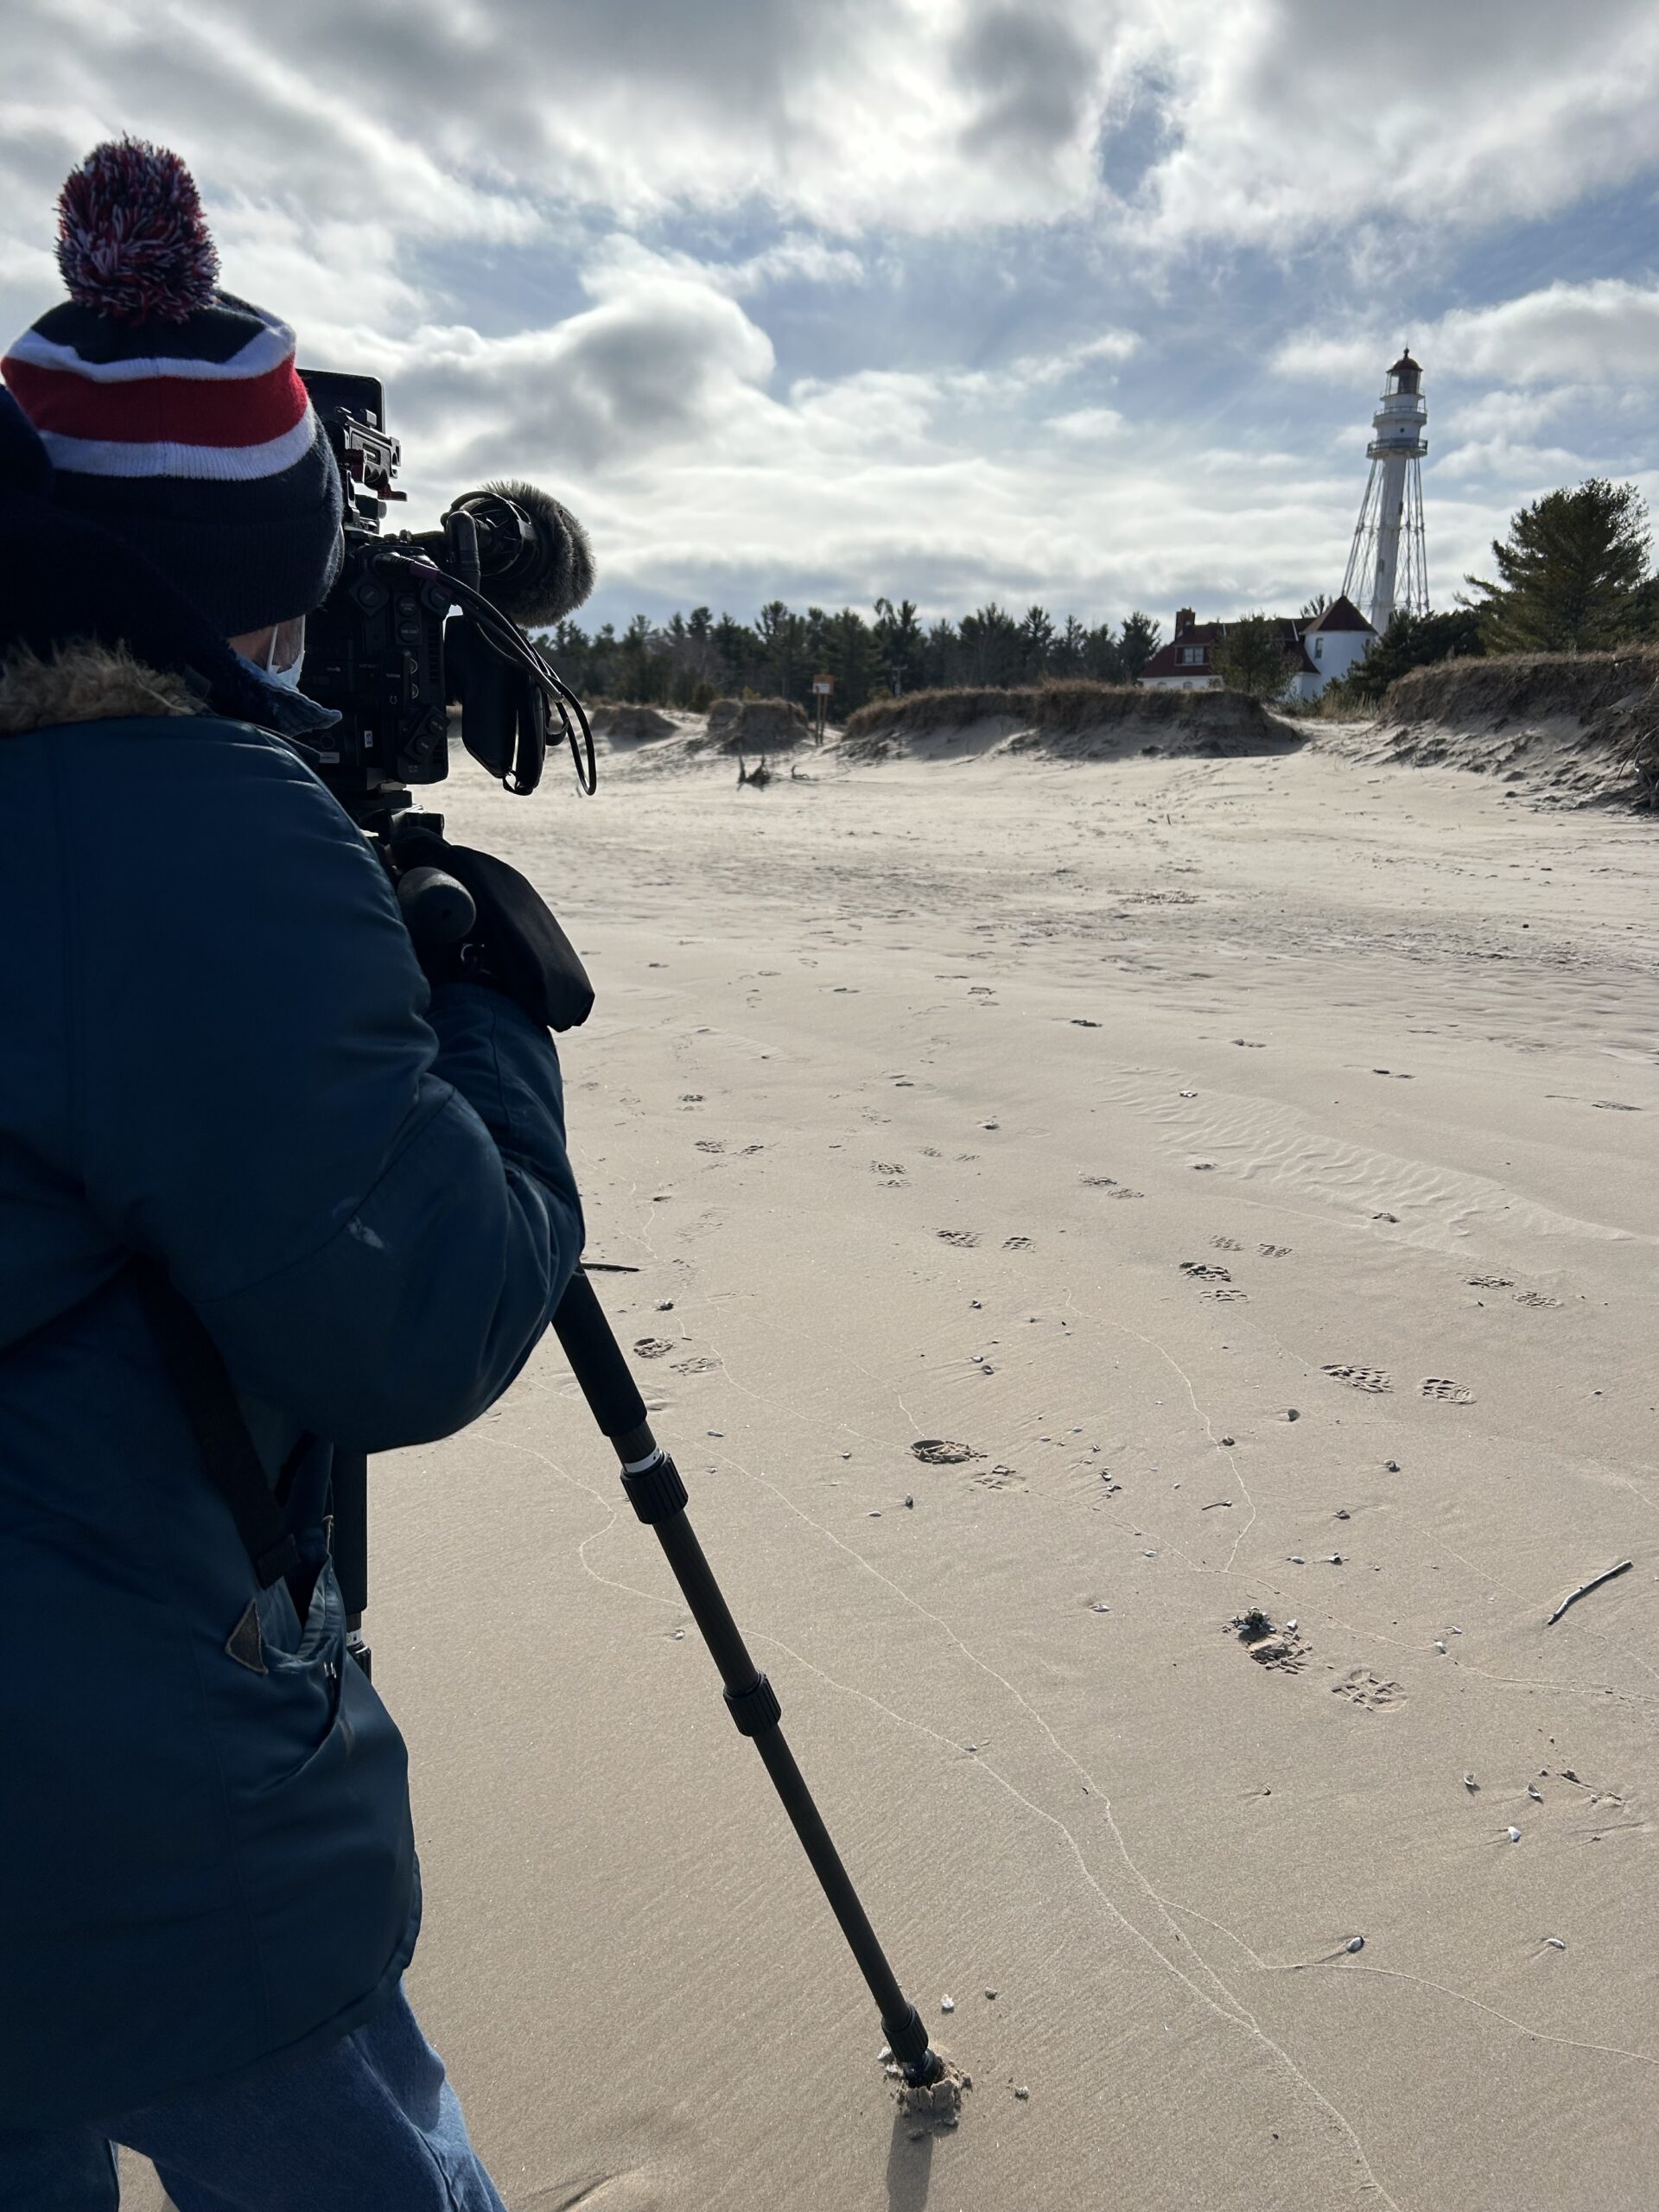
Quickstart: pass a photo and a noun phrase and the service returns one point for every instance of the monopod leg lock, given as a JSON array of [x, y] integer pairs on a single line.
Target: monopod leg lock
[[929, 2084]]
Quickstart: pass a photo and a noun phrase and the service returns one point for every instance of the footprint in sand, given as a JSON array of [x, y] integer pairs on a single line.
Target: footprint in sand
[[1275, 1251], [651, 1347], [1362, 1687], [1016, 1244], [1449, 1393], [888, 1167], [940, 1452], [1234, 1297], [1225, 1244], [1200, 1273], [1490, 1282], [1535, 1298], [968, 1239], [700, 1365], [1361, 1378], [711, 1144]]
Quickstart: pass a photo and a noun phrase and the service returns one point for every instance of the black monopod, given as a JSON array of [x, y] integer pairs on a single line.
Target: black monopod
[[658, 1497]]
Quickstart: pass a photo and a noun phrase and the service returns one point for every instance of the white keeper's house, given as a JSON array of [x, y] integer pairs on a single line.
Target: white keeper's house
[[1316, 650]]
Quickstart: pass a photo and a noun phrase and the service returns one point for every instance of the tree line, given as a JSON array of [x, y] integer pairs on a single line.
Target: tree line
[[692, 660], [1572, 576]]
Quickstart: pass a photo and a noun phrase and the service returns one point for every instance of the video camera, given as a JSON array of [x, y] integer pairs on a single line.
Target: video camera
[[387, 649]]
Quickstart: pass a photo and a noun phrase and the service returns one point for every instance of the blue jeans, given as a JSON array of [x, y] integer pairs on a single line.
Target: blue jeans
[[370, 2125]]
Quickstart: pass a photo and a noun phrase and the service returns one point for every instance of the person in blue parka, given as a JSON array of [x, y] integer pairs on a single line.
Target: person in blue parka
[[225, 1082]]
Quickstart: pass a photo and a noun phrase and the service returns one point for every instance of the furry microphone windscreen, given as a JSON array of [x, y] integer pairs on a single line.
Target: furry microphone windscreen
[[553, 578]]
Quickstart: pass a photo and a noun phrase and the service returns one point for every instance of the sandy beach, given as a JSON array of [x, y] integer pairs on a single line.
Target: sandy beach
[[1242, 1171]]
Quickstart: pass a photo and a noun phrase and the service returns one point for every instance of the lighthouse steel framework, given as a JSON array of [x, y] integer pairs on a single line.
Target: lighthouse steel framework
[[1389, 565]]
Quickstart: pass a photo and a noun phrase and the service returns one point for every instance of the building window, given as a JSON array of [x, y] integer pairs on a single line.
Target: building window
[[1318, 648], [1192, 655]]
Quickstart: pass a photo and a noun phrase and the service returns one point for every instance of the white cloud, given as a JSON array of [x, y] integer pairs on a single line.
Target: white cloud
[[1089, 423], [1605, 331], [1266, 120]]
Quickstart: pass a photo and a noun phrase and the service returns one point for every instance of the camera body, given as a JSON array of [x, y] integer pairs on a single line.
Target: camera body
[[387, 650], [374, 649]]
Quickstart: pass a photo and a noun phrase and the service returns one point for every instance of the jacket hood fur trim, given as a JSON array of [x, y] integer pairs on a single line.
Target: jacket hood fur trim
[[82, 680]]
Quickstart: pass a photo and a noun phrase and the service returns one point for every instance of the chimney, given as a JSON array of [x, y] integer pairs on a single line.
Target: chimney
[[1185, 619]]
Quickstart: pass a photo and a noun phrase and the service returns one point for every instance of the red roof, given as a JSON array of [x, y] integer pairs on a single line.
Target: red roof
[[1203, 635], [1341, 614]]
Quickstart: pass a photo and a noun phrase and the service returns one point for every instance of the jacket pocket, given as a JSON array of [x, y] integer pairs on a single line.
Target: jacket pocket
[[297, 1706]]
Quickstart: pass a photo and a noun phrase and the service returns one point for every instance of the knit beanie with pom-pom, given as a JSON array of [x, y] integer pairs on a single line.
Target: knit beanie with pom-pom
[[173, 413]]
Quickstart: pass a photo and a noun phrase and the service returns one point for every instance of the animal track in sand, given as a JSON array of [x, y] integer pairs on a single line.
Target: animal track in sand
[[1110, 1185], [966, 1239], [940, 1452], [1449, 1393], [1535, 1298], [652, 1347], [886, 1167], [1016, 1244], [1361, 1378], [1234, 1297], [700, 1365], [1200, 1273], [1490, 1282], [1001, 1478], [711, 1144], [1362, 1687], [1225, 1244], [1275, 1251]]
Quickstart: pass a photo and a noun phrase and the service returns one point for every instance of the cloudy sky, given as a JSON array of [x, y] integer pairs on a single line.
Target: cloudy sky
[[1085, 301]]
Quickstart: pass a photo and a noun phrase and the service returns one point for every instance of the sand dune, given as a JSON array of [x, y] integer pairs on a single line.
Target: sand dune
[[1578, 729], [1247, 1164]]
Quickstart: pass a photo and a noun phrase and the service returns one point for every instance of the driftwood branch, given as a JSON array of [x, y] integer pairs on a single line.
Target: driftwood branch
[[1585, 1588]]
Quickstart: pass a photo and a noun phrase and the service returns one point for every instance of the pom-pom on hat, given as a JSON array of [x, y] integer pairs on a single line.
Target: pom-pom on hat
[[173, 412]]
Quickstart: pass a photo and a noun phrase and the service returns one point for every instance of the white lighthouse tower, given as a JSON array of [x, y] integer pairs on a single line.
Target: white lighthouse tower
[[1388, 566]]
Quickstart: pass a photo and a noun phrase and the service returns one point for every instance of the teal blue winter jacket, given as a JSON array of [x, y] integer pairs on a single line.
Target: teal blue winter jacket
[[216, 1049]]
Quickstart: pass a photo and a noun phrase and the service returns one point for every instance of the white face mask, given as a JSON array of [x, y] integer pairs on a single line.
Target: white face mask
[[288, 638]]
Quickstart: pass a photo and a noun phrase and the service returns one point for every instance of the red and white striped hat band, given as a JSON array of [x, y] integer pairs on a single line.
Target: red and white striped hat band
[[236, 420]]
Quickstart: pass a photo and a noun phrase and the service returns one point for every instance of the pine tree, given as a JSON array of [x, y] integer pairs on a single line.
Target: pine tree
[[1573, 572], [1137, 642]]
